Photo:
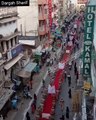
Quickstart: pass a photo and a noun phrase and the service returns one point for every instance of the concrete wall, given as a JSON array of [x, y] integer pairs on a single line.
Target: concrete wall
[[28, 19], [8, 29]]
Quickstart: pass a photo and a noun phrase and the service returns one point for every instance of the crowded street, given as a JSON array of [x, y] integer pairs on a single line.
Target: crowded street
[[45, 61], [66, 88]]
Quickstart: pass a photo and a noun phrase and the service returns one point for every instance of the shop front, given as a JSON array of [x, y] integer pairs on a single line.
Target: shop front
[[13, 65], [5, 101], [27, 72]]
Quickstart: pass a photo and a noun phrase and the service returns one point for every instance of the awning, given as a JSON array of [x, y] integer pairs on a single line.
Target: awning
[[27, 42], [6, 38], [8, 20], [38, 50], [30, 66], [26, 72], [13, 61], [23, 74]]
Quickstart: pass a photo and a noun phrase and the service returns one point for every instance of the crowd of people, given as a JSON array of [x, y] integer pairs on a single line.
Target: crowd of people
[[72, 39]]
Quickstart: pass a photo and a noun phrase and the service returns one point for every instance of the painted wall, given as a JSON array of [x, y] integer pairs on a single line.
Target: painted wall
[[28, 18], [8, 29]]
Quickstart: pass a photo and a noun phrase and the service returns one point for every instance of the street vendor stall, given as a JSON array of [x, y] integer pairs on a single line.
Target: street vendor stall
[[27, 72], [5, 103]]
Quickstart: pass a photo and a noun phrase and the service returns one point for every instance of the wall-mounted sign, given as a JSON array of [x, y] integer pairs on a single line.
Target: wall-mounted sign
[[15, 51], [88, 40]]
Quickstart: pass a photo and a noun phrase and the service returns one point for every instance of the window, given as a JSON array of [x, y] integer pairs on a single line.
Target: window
[[2, 47], [11, 42], [5, 71], [16, 40], [45, 11], [7, 45]]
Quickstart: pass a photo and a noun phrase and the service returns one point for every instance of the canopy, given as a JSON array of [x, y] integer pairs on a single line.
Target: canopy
[[30, 67], [23, 74], [13, 61], [26, 72]]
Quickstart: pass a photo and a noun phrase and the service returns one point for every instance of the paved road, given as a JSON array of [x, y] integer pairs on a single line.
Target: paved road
[[65, 88], [24, 105]]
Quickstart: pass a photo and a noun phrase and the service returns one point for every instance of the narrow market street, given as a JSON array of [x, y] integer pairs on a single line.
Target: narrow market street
[[75, 86], [37, 88], [48, 60], [64, 94]]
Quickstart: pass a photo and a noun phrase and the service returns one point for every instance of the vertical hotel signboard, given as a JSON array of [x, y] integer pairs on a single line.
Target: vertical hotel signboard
[[50, 12], [88, 40]]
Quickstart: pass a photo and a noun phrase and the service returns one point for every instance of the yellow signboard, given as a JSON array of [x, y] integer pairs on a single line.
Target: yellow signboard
[[87, 85]]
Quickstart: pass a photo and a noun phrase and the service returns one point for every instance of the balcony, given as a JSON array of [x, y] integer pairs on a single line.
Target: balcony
[[42, 2], [7, 38], [42, 31], [42, 16], [8, 12], [47, 29]]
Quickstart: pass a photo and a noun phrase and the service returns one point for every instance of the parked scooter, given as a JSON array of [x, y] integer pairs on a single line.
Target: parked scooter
[[26, 94]]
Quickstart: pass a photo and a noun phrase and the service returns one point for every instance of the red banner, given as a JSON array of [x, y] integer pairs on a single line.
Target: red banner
[[50, 12]]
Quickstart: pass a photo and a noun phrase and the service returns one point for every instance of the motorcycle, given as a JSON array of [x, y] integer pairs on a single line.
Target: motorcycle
[[26, 94]]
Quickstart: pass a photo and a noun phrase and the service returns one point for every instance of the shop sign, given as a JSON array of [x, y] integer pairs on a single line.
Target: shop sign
[[15, 51], [88, 40], [9, 55], [87, 86]]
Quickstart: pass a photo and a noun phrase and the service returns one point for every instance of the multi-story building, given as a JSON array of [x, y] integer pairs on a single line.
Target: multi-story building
[[43, 28], [93, 66], [10, 56], [10, 48], [33, 21], [89, 107]]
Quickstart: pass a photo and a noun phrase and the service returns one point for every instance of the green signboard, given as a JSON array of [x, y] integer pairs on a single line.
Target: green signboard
[[88, 40]]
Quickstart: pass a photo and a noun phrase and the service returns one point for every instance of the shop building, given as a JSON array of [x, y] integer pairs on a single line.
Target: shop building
[[11, 50], [10, 56], [34, 24], [90, 89], [93, 66]]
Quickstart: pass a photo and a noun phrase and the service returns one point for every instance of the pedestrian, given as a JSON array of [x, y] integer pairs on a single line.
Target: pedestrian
[[75, 70], [1, 117], [62, 104], [43, 83], [70, 65], [30, 84], [65, 75], [75, 65], [35, 98], [69, 92], [77, 44], [69, 79], [62, 118], [33, 107], [77, 75], [67, 112], [28, 87], [27, 116]]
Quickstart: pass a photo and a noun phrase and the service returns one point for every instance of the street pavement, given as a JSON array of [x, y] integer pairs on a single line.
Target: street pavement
[[74, 86], [24, 104], [64, 94]]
